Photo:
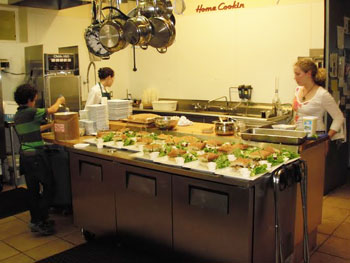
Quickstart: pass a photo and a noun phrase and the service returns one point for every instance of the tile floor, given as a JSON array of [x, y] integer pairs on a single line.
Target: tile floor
[[19, 245]]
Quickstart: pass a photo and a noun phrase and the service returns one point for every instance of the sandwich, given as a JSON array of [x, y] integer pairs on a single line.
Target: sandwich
[[214, 143], [241, 146], [175, 152], [242, 163], [271, 149], [208, 157], [144, 140], [196, 146], [259, 155], [154, 147], [227, 148]]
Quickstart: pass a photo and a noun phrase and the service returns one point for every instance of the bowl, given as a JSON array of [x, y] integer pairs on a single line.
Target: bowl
[[166, 122]]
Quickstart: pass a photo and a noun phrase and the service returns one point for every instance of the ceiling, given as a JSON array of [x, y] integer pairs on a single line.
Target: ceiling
[[52, 4], [46, 4]]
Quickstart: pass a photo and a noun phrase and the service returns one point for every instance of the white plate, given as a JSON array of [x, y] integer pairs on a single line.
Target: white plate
[[141, 156], [198, 166], [91, 141], [80, 145], [284, 126], [94, 142], [165, 160]]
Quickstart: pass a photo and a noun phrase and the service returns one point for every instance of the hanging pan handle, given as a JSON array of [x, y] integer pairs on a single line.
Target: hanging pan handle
[[134, 53]]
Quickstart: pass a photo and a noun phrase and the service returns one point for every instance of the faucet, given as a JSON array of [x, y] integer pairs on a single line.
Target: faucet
[[88, 71], [223, 97]]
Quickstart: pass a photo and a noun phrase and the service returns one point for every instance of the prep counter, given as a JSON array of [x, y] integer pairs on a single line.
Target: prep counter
[[223, 219]]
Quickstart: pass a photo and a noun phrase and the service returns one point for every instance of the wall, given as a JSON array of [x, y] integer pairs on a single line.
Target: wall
[[212, 51]]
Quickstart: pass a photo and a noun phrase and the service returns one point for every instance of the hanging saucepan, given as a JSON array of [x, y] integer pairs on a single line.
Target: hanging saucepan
[[112, 34], [138, 30], [163, 32], [92, 37]]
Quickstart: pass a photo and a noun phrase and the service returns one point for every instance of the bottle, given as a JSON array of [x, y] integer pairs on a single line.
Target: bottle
[[276, 103]]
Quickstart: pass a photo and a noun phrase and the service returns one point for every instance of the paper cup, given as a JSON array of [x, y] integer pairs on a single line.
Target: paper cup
[[180, 160], [154, 155], [211, 166]]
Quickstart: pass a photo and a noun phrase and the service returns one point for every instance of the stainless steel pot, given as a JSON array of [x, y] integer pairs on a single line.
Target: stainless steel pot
[[163, 32], [225, 127], [92, 35], [138, 31], [112, 34]]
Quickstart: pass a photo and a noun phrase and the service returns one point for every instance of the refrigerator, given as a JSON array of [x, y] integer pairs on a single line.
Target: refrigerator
[[53, 75], [337, 62]]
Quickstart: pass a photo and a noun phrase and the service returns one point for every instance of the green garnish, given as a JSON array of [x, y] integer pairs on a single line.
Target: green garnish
[[275, 160], [210, 150], [165, 150], [289, 154], [189, 157], [128, 142], [258, 170], [222, 162], [108, 137]]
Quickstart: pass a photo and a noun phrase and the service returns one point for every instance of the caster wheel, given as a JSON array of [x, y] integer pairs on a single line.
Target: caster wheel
[[88, 236]]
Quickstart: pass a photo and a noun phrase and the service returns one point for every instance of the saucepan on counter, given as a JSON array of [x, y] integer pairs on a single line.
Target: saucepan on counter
[[225, 126]]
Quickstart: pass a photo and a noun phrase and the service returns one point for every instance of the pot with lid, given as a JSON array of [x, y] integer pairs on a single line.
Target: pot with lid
[[226, 127]]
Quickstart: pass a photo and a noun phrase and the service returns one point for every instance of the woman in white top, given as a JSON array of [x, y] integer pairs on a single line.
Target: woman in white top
[[106, 76], [313, 100]]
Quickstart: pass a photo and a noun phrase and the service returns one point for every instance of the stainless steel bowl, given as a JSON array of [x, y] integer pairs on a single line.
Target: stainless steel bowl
[[165, 122], [224, 127]]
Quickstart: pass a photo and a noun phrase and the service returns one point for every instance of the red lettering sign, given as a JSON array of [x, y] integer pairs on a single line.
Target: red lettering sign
[[220, 7], [59, 127]]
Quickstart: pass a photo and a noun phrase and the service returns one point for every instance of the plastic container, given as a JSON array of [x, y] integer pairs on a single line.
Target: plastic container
[[310, 125], [164, 105]]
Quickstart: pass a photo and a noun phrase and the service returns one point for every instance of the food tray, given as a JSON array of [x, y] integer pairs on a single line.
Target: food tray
[[274, 136]]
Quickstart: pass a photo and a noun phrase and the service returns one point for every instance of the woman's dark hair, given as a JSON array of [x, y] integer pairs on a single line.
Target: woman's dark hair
[[24, 93], [105, 72]]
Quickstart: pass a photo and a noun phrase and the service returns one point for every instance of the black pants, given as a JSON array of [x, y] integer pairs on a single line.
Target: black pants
[[38, 174]]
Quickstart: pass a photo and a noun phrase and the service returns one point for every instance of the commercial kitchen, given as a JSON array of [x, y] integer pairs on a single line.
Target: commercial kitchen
[[219, 66]]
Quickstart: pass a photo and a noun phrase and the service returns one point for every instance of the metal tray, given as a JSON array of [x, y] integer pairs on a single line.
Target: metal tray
[[274, 136]]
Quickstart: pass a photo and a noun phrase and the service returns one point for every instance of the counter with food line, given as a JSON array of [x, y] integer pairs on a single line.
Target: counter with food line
[[167, 198]]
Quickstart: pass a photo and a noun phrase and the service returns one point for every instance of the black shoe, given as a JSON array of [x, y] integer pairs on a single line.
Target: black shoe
[[49, 222], [41, 228]]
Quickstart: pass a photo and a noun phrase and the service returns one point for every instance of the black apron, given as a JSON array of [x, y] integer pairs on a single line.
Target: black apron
[[105, 94]]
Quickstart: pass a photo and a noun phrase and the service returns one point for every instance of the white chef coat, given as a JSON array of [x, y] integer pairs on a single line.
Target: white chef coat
[[95, 95], [321, 102]]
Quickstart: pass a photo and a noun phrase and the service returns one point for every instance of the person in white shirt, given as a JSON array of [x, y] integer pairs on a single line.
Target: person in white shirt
[[311, 99], [106, 76]]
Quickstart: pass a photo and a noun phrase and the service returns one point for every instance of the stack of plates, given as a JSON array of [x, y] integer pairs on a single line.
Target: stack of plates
[[89, 126], [98, 113], [119, 109]]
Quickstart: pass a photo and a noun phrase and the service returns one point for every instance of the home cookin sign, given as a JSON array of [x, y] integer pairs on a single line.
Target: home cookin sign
[[220, 7]]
